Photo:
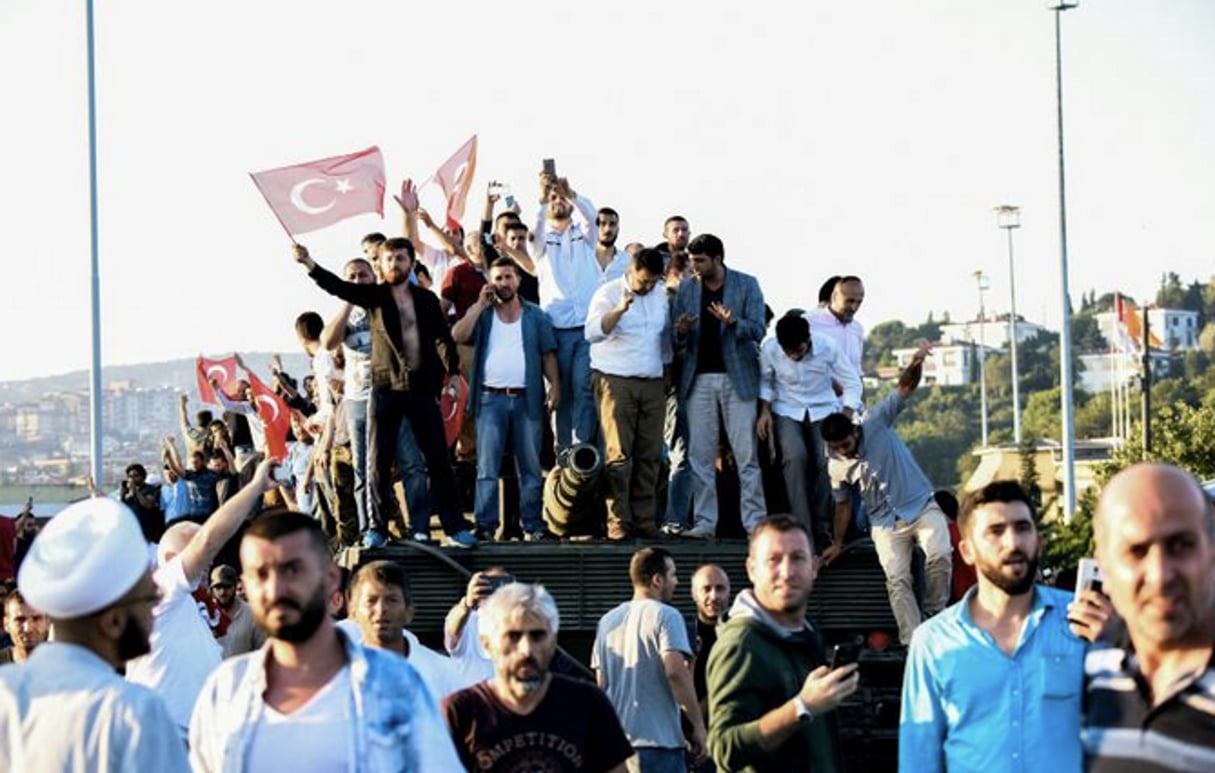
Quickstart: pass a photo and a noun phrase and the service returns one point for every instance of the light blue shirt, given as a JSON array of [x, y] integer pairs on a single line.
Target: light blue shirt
[[969, 706], [890, 482]]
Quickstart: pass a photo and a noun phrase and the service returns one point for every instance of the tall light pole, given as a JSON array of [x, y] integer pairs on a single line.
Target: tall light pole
[[1008, 218], [1065, 336], [96, 398], [981, 280]]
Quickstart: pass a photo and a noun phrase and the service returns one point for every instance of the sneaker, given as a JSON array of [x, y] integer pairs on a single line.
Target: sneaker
[[422, 536], [700, 531], [673, 529], [461, 540], [374, 538], [540, 535]]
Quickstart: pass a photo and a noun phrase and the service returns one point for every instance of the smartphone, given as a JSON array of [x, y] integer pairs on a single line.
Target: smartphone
[[1088, 576], [844, 654], [498, 580], [550, 169]]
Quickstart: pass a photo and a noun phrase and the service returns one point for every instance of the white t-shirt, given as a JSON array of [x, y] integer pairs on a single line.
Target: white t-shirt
[[438, 671], [470, 658], [314, 737], [504, 358], [184, 651]]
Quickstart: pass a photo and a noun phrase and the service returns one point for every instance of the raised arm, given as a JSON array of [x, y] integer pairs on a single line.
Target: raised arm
[[334, 332], [360, 295], [170, 457], [909, 379], [224, 523], [466, 326]]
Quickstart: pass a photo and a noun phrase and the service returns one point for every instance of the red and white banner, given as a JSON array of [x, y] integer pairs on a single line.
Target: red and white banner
[[1130, 327], [222, 371], [455, 178], [317, 194], [275, 415]]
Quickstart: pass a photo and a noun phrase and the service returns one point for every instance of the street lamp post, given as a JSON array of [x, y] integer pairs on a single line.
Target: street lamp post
[[1065, 337], [981, 280], [1008, 218]]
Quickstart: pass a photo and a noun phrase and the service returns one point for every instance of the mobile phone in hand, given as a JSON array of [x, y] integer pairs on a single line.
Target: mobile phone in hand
[[550, 169], [844, 654], [1088, 576]]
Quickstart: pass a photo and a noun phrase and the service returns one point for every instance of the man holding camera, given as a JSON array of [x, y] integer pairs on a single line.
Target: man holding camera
[[515, 351], [771, 692]]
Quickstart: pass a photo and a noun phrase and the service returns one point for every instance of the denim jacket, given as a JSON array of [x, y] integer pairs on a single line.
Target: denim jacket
[[396, 727]]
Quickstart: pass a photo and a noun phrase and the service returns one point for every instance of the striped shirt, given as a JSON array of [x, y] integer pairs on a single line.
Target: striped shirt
[[1124, 732]]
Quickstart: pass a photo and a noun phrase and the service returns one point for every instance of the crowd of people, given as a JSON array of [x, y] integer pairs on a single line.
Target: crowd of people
[[1115, 677], [203, 623]]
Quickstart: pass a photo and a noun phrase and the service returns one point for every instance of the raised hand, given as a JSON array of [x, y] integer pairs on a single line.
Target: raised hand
[[408, 197], [722, 312], [684, 323]]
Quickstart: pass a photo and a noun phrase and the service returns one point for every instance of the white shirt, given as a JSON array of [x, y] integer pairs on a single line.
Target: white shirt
[[64, 709], [312, 738], [505, 364], [184, 651], [848, 338], [640, 344], [439, 262], [566, 268], [471, 660], [801, 389], [438, 671]]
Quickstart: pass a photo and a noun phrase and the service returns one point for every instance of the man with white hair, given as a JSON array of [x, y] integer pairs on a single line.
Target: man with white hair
[[183, 651], [65, 708], [526, 717]]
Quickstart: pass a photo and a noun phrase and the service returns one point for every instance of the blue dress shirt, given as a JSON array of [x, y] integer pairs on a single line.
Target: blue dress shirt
[[969, 706]]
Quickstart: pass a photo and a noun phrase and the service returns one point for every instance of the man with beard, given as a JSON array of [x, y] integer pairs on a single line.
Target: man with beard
[[771, 694], [570, 269], [718, 325], [995, 681], [675, 234], [711, 593], [183, 649], [526, 717], [381, 606], [1151, 706], [26, 627], [628, 327], [411, 349], [640, 658], [514, 352], [65, 708], [243, 633], [312, 698]]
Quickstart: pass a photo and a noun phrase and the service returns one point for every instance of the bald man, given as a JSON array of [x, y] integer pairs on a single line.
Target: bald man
[[183, 651], [711, 592], [1152, 707]]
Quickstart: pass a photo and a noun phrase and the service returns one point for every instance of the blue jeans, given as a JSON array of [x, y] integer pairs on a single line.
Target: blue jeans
[[651, 759], [576, 418], [356, 427], [499, 418], [679, 487]]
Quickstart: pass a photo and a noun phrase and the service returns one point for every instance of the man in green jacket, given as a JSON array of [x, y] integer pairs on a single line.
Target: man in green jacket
[[770, 693]]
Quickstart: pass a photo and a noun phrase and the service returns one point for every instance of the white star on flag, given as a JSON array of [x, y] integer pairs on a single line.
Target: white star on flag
[[343, 186]]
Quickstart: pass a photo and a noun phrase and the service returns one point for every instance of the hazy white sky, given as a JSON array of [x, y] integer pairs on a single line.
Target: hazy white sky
[[813, 137]]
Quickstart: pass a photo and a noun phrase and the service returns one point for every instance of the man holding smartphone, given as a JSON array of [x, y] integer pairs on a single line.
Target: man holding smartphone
[[995, 681], [771, 695]]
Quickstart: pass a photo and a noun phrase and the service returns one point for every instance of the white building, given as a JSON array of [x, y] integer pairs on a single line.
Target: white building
[[1171, 329], [1100, 371], [949, 364], [994, 331]]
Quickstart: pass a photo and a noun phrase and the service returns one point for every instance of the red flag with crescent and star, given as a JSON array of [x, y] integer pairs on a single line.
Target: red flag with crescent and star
[[275, 415], [221, 370], [316, 194], [455, 178]]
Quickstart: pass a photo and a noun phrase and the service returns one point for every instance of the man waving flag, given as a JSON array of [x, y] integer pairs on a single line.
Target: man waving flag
[[316, 194]]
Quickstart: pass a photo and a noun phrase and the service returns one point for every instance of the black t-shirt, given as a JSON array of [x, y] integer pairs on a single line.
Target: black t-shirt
[[702, 645], [708, 352], [573, 729]]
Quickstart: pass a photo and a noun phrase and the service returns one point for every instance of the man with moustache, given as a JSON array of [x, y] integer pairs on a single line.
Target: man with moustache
[[771, 694], [1151, 706], [675, 234], [526, 717], [312, 697], [640, 658], [65, 708], [995, 681], [515, 352], [628, 327], [26, 628], [411, 349]]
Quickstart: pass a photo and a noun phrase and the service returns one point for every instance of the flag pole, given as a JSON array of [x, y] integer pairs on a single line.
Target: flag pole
[[290, 235], [96, 399]]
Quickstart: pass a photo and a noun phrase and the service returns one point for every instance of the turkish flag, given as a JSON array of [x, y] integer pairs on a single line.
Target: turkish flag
[[451, 405], [317, 194], [455, 178], [275, 415], [223, 371]]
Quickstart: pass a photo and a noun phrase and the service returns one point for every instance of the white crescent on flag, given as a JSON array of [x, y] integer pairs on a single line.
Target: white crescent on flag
[[268, 400], [221, 378], [297, 197]]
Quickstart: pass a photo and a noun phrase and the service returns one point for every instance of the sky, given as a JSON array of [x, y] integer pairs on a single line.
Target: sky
[[814, 138]]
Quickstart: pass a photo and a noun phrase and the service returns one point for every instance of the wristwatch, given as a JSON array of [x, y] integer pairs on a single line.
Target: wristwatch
[[804, 713]]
